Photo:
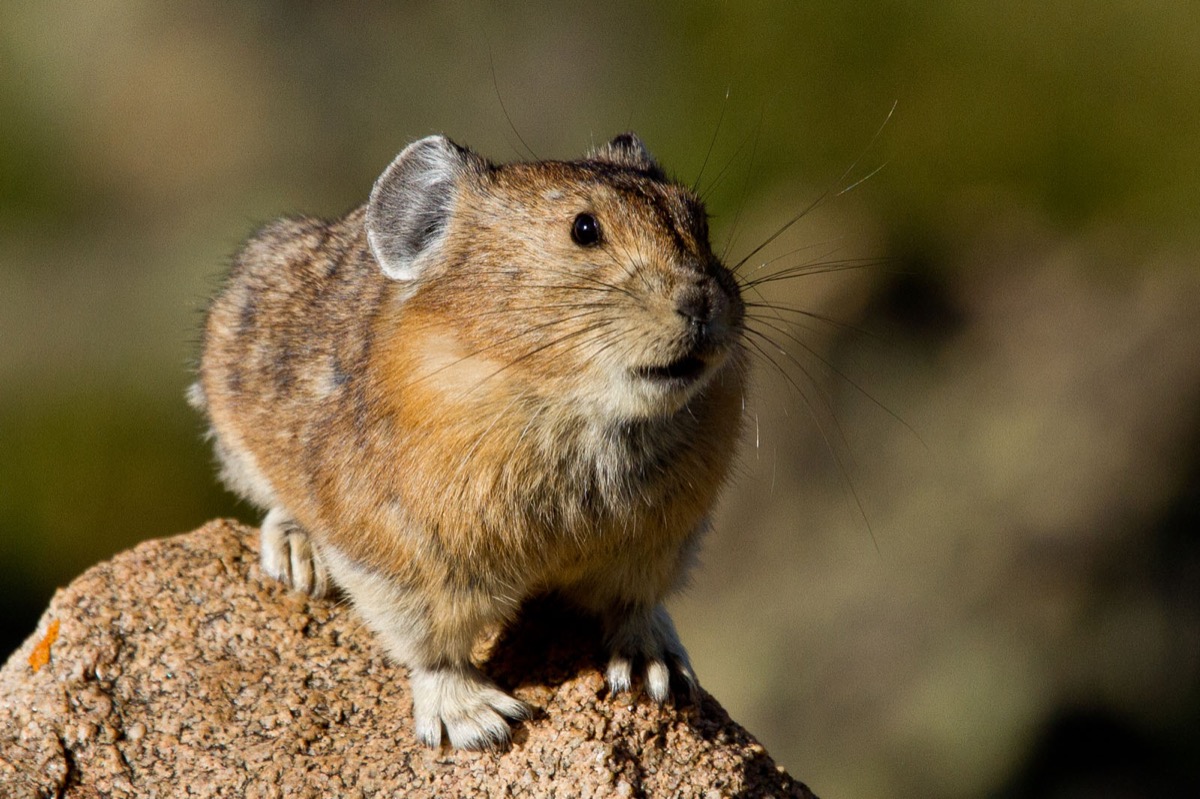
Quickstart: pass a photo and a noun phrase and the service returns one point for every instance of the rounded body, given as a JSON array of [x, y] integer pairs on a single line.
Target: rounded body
[[489, 382]]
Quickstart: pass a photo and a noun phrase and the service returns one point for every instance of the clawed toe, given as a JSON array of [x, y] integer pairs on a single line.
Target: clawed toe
[[651, 642], [289, 556], [619, 674], [462, 704], [662, 678]]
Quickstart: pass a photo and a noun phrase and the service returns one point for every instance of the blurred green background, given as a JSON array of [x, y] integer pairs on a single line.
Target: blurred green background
[[1002, 601]]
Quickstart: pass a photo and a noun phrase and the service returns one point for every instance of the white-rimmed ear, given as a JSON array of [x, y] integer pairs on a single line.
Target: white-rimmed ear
[[412, 202], [628, 150]]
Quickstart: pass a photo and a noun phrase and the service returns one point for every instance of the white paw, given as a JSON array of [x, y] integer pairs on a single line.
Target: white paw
[[473, 712], [649, 639], [289, 556]]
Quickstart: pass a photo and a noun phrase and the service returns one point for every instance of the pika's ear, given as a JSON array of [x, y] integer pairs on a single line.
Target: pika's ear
[[412, 202], [627, 150]]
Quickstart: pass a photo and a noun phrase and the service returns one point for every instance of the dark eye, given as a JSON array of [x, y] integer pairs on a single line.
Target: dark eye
[[585, 230]]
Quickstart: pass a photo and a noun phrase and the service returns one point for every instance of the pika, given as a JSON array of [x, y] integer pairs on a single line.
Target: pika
[[490, 381]]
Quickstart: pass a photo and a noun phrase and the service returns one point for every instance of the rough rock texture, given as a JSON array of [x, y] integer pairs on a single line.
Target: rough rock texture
[[176, 669]]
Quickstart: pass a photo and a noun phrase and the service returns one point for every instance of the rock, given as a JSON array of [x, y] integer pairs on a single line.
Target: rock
[[177, 669]]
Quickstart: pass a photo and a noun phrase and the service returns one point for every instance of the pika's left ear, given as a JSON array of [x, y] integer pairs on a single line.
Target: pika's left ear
[[627, 150]]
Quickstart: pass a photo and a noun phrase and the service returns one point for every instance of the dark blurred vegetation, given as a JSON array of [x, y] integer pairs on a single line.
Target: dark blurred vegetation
[[1001, 602]]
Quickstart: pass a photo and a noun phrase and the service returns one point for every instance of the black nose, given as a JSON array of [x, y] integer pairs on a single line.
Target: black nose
[[695, 305]]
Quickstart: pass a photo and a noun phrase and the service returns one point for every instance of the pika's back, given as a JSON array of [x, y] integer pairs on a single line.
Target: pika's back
[[292, 311]]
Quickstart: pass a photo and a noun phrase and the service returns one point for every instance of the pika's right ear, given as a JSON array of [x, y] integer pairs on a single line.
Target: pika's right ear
[[412, 202]]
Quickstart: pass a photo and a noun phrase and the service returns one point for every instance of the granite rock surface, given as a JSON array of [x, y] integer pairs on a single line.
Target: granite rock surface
[[178, 669]]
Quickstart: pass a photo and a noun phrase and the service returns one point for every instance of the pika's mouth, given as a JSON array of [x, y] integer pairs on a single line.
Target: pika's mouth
[[681, 370]]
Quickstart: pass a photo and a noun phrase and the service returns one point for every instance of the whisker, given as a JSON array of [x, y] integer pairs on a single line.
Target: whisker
[[704, 195], [629, 264], [454, 480], [848, 481], [712, 143], [824, 194], [473, 275], [825, 398], [864, 178], [745, 190], [865, 150], [780, 231], [507, 309], [790, 253], [818, 268], [829, 320], [500, 99], [835, 370], [495, 344], [541, 348], [601, 286]]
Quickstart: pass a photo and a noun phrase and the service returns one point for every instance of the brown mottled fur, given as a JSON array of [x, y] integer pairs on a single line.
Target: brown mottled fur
[[478, 434]]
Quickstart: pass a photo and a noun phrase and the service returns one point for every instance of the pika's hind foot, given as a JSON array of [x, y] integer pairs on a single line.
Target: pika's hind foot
[[474, 713], [648, 638], [289, 556]]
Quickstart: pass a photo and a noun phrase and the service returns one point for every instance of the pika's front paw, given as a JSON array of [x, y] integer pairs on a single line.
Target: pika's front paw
[[289, 556], [649, 639], [473, 712]]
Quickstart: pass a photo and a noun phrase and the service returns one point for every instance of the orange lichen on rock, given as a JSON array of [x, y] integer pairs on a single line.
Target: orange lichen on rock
[[40, 655]]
